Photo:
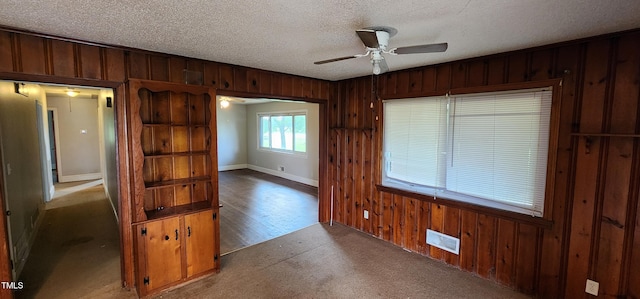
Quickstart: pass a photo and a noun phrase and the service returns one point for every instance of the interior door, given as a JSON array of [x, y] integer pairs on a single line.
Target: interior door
[[199, 229]]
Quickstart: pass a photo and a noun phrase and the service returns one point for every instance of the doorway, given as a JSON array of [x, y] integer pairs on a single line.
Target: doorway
[[268, 158], [31, 242]]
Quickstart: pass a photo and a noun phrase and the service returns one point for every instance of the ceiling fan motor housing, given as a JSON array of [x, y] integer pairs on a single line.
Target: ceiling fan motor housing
[[383, 40]]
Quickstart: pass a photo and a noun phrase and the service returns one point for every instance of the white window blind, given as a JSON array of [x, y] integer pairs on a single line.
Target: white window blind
[[415, 135], [487, 149]]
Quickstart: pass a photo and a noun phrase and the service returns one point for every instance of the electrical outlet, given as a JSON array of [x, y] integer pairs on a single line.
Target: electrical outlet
[[366, 214], [281, 168], [592, 287]]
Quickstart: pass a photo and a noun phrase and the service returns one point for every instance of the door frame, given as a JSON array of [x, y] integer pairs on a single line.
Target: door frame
[[123, 174]]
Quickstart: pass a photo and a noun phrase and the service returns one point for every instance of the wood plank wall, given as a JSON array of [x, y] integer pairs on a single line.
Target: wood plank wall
[[33, 57], [596, 228]]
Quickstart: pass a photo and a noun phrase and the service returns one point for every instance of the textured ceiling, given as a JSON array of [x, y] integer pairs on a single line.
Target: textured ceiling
[[288, 36]]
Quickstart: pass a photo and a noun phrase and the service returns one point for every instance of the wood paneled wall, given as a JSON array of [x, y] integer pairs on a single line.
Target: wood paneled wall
[[594, 228], [38, 58], [56, 58]]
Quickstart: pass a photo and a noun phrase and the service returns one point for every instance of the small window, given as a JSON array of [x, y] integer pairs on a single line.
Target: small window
[[488, 149], [286, 132]]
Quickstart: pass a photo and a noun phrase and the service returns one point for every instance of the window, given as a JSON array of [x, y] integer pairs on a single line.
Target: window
[[488, 149], [283, 131]]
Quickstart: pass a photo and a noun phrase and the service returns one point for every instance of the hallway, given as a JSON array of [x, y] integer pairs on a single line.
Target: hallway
[[77, 250]]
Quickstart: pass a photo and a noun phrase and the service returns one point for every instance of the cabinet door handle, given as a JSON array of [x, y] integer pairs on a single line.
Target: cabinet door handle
[[176, 234], [188, 231]]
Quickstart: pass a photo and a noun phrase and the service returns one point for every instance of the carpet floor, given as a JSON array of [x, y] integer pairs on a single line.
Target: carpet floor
[[323, 261]]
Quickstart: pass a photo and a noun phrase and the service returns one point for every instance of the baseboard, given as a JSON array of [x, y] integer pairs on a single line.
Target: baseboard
[[52, 191], [232, 167], [285, 175], [113, 207], [79, 177]]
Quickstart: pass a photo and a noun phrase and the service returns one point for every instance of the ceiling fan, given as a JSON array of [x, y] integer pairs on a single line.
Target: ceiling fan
[[376, 41]]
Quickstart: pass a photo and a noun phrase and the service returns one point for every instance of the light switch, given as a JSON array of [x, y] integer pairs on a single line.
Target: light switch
[[83, 131]]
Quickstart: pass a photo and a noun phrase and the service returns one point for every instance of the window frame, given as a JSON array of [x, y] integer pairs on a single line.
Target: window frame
[[293, 114], [552, 151]]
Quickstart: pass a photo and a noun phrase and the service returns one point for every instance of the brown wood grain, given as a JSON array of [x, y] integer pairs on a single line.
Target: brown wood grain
[[541, 67], [177, 65], [114, 62], [32, 54], [506, 252], [588, 169], [90, 62], [459, 75], [199, 238], [553, 249], [468, 237], [526, 263], [6, 51], [496, 71], [477, 73], [452, 228], [486, 247], [437, 223], [517, 69], [138, 65], [63, 58], [226, 77], [159, 67]]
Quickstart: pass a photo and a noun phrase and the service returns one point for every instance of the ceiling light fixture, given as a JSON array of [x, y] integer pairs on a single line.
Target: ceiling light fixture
[[72, 93], [224, 103]]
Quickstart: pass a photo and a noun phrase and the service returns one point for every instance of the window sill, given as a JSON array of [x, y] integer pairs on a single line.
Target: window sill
[[535, 221]]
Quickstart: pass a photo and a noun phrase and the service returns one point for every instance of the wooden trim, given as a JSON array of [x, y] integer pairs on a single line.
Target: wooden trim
[[46, 79], [5, 256], [127, 265], [513, 216], [245, 94], [606, 135], [508, 86]]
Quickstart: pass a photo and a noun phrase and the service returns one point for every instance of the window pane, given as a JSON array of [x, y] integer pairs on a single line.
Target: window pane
[[300, 139], [282, 132], [264, 131]]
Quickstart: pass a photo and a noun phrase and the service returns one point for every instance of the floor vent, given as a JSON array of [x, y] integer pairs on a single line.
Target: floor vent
[[442, 241]]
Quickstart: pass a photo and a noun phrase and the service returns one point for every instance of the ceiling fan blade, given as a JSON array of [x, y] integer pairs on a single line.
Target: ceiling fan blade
[[430, 48], [336, 59], [383, 66], [368, 37]]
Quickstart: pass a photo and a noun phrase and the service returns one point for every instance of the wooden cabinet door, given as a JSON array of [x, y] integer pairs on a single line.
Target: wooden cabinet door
[[163, 252], [199, 229]]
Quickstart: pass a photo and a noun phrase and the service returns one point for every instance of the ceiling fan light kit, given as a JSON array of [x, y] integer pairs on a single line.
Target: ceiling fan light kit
[[376, 42]]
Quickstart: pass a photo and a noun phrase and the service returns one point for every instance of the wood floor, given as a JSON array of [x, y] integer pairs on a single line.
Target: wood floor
[[259, 207]]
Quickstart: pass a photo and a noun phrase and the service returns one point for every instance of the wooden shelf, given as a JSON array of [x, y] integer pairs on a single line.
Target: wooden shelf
[[176, 210], [160, 184]]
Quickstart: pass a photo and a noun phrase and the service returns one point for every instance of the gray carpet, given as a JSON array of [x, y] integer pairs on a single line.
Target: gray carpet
[[324, 261]]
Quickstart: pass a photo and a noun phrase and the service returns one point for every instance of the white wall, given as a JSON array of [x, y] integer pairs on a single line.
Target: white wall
[[79, 153], [232, 137], [238, 142], [298, 167], [106, 123], [21, 166]]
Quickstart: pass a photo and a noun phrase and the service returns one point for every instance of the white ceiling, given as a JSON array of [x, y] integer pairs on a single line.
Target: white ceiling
[[288, 36]]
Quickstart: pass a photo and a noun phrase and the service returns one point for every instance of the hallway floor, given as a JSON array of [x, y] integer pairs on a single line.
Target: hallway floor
[[77, 250]]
